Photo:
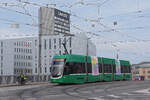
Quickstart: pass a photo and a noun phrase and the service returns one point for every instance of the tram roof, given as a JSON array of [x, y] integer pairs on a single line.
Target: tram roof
[[81, 58]]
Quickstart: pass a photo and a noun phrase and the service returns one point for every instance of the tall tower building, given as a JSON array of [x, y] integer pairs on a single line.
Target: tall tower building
[[53, 21]]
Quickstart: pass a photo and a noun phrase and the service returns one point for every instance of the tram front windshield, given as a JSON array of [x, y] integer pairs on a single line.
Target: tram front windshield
[[57, 67]]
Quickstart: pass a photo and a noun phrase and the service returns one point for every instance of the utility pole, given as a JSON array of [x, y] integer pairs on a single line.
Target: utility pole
[[40, 47], [86, 65], [87, 47]]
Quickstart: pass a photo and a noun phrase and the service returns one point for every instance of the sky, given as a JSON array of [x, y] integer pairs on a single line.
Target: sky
[[129, 37]]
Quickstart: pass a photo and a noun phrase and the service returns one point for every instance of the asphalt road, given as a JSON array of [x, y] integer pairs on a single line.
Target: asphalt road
[[117, 90]]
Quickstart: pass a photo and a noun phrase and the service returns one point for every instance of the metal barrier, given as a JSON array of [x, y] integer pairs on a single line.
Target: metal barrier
[[33, 78]]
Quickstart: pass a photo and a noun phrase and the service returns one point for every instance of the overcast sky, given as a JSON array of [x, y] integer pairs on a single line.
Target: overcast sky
[[130, 36]]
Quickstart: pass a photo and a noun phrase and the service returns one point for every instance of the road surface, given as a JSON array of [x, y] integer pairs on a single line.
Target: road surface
[[117, 90]]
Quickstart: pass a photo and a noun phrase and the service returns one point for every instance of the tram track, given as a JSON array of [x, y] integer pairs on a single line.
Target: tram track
[[31, 92], [76, 90], [78, 94]]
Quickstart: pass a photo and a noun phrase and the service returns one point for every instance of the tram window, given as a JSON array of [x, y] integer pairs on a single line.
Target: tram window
[[100, 67], [122, 69], [110, 68], [114, 68], [67, 70], [74, 67], [89, 67], [125, 69], [129, 69], [107, 68]]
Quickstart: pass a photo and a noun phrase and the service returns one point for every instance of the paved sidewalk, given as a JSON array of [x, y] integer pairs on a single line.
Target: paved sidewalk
[[29, 83]]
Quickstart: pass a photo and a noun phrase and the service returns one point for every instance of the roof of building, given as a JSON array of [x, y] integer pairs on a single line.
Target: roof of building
[[14, 33], [142, 65]]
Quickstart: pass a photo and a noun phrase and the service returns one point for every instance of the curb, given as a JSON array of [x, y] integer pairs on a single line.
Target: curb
[[27, 84]]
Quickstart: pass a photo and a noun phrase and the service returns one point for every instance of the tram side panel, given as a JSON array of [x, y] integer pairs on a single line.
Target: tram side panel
[[76, 69], [118, 75], [92, 63], [107, 69], [125, 69]]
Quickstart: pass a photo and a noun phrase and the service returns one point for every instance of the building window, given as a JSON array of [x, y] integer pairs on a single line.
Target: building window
[[36, 70], [21, 43], [45, 70], [54, 46], [44, 44], [54, 41], [64, 40], [1, 64], [1, 58], [70, 51], [59, 42], [49, 43], [60, 52], [148, 72], [1, 71], [40, 70], [70, 41], [35, 42], [1, 44], [49, 69], [1, 51]]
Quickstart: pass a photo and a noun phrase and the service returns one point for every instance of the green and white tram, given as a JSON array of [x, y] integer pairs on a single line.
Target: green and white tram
[[81, 69]]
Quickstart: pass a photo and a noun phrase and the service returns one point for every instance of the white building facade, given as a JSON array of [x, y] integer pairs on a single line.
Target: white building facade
[[52, 45], [19, 54]]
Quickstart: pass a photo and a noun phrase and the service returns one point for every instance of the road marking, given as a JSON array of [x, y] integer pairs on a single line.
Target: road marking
[[98, 90], [18, 88], [73, 93], [30, 99], [126, 93], [114, 96], [85, 91], [95, 98], [146, 91], [56, 95]]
